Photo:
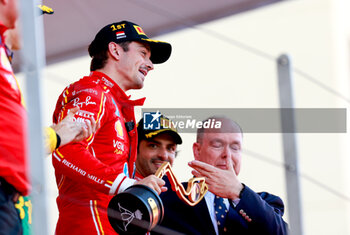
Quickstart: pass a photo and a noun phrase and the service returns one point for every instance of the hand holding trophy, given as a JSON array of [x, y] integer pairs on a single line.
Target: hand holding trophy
[[139, 208]]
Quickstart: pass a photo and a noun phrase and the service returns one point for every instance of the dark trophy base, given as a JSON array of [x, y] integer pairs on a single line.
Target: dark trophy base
[[136, 210]]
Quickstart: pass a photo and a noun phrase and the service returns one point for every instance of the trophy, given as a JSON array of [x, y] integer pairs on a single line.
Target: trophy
[[139, 208]]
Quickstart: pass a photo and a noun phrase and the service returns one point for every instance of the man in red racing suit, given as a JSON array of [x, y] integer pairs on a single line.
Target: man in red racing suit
[[14, 174], [13, 130], [90, 172]]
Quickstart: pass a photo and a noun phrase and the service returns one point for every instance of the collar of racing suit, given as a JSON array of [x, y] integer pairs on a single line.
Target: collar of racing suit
[[3, 28], [138, 176]]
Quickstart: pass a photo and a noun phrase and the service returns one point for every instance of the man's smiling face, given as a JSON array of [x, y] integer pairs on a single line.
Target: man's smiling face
[[152, 153]]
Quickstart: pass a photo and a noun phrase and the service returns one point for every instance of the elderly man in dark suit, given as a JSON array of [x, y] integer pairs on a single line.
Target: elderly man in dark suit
[[229, 207]]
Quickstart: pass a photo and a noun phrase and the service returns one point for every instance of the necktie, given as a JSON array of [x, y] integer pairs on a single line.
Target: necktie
[[220, 212]]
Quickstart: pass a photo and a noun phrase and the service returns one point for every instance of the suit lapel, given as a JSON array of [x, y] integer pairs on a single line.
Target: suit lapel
[[203, 217]]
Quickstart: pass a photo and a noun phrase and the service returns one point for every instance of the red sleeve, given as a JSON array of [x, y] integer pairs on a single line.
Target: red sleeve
[[77, 160]]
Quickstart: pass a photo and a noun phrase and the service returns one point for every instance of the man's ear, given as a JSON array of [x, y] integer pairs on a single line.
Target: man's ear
[[196, 150], [114, 50]]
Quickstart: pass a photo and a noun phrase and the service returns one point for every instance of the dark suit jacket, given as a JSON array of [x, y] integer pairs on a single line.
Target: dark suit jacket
[[265, 211]]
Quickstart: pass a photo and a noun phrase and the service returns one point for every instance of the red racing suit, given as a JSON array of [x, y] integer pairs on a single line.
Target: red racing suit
[[90, 172], [13, 126]]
